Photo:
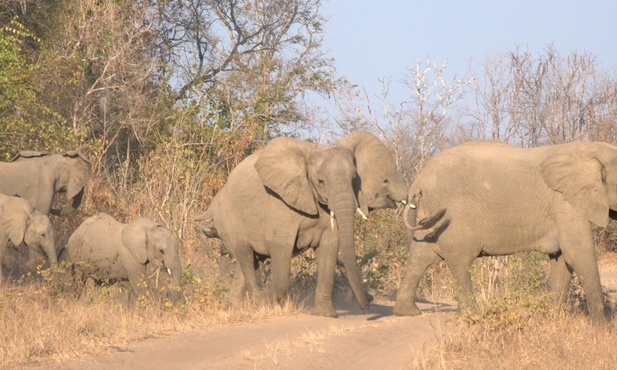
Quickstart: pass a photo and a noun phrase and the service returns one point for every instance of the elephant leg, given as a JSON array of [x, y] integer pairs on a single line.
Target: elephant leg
[[559, 278], [2, 251], [245, 259], [238, 287], [462, 276], [421, 256], [576, 243], [327, 254], [135, 273], [281, 270]]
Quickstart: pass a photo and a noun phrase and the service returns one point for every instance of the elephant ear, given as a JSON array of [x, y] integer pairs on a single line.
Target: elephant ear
[[582, 181], [15, 217], [135, 238], [373, 163], [281, 167], [78, 171]]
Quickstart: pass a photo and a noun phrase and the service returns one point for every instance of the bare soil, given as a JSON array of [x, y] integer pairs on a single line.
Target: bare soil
[[356, 340]]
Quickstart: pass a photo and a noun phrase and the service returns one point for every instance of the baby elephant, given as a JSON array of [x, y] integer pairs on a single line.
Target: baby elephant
[[112, 250], [20, 222]]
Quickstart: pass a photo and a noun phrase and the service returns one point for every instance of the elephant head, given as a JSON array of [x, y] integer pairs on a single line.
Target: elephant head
[[22, 223], [149, 242], [378, 184], [587, 179], [308, 177], [68, 172]]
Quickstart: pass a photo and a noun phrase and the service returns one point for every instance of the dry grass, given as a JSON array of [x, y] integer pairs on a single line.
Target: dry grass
[[58, 320], [550, 340], [516, 325]]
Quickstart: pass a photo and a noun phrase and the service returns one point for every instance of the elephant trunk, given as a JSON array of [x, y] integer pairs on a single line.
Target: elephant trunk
[[410, 223], [172, 262], [49, 247], [40, 234], [343, 204]]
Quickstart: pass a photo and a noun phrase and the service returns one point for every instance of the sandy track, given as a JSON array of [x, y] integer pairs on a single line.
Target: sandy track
[[356, 340]]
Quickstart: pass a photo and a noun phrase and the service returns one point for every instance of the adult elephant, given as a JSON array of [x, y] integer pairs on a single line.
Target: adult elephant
[[20, 222], [108, 249], [488, 198], [37, 177], [294, 195]]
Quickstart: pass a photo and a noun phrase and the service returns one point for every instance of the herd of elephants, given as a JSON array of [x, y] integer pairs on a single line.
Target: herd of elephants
[[476, 199]]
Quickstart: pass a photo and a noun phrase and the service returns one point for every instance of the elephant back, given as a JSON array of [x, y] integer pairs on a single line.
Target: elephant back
[[96, 231]]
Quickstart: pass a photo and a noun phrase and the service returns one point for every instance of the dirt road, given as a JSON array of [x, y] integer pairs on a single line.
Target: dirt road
[[356, 340]]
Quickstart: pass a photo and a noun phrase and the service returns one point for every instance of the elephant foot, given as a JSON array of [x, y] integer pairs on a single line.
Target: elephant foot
[[323, 307], [324, 311], [405, 309]]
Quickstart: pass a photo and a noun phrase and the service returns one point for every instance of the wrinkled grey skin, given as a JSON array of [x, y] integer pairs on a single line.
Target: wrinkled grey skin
[[20, 222], [499, 200], [278, 202], [112, 250], [37, 177]]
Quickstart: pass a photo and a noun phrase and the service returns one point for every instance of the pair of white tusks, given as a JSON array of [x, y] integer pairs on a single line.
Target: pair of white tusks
[[361, 213], [332, 217]]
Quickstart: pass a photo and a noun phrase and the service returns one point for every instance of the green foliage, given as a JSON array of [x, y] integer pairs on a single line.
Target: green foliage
[[510, 289], [26, 122], [518, 276], [189, 276], [382, 247]]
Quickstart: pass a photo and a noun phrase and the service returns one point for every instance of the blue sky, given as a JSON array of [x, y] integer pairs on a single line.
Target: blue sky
[[376, 39]]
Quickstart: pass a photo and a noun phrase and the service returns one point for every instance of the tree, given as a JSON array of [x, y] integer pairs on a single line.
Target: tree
[[414, 129], [545, 99]]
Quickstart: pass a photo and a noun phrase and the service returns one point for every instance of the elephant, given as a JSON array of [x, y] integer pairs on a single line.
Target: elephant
[[490, 198], [293, 195], [20, 222], [37, 177], [108, 249]]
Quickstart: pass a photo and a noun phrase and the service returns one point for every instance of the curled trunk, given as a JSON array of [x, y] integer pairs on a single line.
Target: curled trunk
[[410, 211]]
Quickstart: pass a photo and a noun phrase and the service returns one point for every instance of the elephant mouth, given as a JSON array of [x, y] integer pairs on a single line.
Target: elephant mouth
[[393, 203]]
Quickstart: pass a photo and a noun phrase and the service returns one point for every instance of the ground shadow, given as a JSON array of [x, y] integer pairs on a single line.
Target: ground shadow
[[378, 311]]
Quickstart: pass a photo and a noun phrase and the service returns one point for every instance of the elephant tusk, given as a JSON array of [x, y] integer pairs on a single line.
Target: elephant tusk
[[332, 220], [412, 206], [361, 213], [168, 271], [404, 201]]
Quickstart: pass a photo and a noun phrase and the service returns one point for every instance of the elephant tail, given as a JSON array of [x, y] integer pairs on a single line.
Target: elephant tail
[[411, 210], [206, 223]]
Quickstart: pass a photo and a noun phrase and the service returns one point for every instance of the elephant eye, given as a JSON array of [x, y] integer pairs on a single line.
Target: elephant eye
[[161, 251]]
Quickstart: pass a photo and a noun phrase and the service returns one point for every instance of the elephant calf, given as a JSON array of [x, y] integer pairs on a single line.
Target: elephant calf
[[116, 251], [20, 222]]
